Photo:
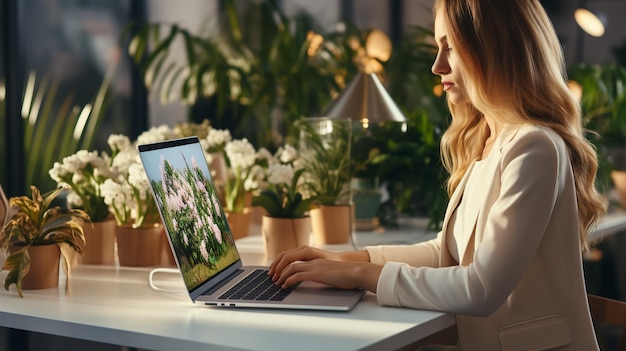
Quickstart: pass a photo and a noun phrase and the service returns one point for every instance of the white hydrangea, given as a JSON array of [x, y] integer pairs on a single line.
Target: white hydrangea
[[241, 154], [138, 178], [118, 142], [74, 200], [117, 194], [265, 155], [287, 154], [280, 174], [255, 178], [78, 168], [123, 160], [154, 134], [217, 137]]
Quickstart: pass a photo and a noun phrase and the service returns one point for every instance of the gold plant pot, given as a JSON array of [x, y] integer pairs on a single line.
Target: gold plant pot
[[139, 247], [332, 224], [282, 234]]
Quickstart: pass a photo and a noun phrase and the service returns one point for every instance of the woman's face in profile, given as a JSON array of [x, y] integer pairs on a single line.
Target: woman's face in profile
[[446, 64]]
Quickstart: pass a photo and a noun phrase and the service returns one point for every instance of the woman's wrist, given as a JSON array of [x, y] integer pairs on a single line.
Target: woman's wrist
[[354, 256], [367, 275]]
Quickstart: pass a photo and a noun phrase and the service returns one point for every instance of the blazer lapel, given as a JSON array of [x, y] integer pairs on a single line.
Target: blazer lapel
[[455, 199]]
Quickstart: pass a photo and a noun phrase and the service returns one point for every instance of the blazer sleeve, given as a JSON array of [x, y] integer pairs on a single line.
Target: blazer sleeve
[[516, 221], [425, 254]]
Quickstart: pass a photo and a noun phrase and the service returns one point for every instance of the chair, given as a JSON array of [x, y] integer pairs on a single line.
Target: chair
[[4, 208], [607, 313]]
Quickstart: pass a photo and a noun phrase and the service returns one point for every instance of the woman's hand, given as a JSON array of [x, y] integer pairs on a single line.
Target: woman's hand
[[348, 270], [303, 253]]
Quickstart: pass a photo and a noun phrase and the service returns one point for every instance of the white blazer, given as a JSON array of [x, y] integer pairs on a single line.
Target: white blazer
[[520, 282]]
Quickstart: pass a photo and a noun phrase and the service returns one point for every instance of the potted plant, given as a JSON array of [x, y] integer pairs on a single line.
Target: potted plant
[[139, 231], [83, 174], [286, 224], [35, 238], [251, 73], [325, 149], [242, 172]]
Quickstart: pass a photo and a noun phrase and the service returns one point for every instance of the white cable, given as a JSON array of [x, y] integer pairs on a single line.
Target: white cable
[[163, 270]]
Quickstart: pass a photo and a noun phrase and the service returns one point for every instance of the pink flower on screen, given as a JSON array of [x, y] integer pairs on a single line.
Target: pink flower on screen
[[204, 251], [216, 231]]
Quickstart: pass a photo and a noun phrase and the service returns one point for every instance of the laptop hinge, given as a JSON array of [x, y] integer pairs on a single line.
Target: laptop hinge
[[223, 282]]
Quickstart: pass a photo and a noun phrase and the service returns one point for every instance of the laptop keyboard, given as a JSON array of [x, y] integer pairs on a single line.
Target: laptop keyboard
[[258, 286]]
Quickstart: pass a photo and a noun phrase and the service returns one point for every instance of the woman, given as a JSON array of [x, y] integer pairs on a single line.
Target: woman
[[508, 261]]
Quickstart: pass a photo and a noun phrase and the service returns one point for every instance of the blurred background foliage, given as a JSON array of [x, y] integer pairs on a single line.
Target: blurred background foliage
[[263, 71]]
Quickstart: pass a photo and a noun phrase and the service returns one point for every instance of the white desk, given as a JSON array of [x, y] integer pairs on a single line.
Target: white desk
[[116, 305]]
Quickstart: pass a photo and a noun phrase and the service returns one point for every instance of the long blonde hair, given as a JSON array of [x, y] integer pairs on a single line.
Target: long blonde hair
[[514, 69]]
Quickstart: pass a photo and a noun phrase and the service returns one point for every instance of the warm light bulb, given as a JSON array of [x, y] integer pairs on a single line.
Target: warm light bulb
[[378, 45], [365, 122], [589, 22], [576, 89], [438, 90]]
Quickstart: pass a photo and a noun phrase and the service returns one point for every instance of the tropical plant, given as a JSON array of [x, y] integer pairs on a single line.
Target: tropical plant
[[284, 195], [603, 102], [49, 116], [38, 222], [325, 150], [254, 74]]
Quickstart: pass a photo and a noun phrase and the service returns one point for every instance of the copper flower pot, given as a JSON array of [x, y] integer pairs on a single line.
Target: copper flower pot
[[139, 247], [282, 234], [239, 223], [332, 224], [99, 243], [44, 267]]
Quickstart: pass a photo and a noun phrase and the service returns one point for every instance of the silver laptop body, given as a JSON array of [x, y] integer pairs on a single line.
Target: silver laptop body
[[200, 237]]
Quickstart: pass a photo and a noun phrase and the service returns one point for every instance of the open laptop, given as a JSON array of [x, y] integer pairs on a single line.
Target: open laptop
[[202, 242]]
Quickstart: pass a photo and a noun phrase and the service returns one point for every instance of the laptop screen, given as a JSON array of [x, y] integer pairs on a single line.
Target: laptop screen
[[190, 208]]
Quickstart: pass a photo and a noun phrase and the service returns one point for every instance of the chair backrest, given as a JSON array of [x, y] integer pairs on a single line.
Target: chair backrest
[[4, 207], [608, 312]]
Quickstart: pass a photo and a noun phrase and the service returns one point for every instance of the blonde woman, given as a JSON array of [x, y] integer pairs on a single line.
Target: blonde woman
[[508, 261]]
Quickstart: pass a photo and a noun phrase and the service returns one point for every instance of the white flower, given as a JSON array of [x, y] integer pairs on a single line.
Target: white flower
[[163, 132], [57, 172], [255, 178], [118, 142], [73, 199], [287, 154], [116, 194], [123, 160], [241, 154], [137, 178], [264, 155], [279, 174], [218, 137]]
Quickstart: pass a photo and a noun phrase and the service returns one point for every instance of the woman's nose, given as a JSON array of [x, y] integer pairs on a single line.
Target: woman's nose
[[440, 66]]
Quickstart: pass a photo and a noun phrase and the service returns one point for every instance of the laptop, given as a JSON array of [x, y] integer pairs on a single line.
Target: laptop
[[202, 242]]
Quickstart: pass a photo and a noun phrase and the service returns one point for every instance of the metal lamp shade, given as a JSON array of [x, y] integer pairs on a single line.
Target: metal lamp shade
[[365, 100]]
